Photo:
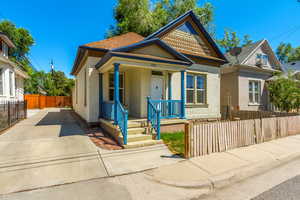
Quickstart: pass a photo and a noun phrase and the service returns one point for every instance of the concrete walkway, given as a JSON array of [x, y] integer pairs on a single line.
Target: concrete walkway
[[192, 179], [50, 148]]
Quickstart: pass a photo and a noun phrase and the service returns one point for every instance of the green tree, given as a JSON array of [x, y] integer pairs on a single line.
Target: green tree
[[286, 53], [144, 18], [52, 83], [283, 52], [20, 37], [231, 40], [284, 92]]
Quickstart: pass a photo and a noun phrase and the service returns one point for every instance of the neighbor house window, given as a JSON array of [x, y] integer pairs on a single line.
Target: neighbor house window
[[85, 87], [263, 58], [112, 87], [254, 92], [4, 49], [1, 82], [76, 90], [11, 84], [196, 89]]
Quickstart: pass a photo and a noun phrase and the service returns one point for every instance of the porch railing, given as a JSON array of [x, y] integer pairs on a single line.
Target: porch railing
[[122, 120], [108, 110], [169, 108], [122, 116], [154, 116]]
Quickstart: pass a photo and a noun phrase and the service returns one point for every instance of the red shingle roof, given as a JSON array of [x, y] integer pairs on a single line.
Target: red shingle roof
[[117, 41]]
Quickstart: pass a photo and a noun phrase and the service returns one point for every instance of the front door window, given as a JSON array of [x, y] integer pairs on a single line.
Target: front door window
[[157, 87]]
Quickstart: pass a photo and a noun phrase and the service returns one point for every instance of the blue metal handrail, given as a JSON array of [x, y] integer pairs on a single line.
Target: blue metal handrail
[[122, 121], [122, 116], [163, 109], [154, 116]]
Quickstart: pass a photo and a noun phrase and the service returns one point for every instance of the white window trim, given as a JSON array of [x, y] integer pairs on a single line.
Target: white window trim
[[263, 55], [122, 88], [195, 88], [2, 76], [4, 49], [11, 83], [253, 93]]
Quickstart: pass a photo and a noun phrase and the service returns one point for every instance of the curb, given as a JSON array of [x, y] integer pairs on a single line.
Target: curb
[[230, 177]]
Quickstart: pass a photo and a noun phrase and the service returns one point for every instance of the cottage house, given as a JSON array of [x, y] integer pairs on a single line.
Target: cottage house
[[12, 76], [126, 81], [243, 80]]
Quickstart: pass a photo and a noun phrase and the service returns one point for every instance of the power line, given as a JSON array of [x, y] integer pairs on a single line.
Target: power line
[[288, 33]]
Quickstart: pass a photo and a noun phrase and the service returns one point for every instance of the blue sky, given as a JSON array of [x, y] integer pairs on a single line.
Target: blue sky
[[60, 26]]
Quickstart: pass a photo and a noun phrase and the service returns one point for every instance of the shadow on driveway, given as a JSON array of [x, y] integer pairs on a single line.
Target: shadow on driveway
[[65, 120]]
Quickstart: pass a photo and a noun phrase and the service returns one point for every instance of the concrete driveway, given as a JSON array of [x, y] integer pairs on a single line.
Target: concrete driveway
[[49, 148]]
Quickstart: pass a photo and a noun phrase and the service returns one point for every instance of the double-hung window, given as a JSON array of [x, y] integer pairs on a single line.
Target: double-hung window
[[4, 49], [263, 58], [1, 82], [196, 89], [112, 87], [11, 84], [254, 92]]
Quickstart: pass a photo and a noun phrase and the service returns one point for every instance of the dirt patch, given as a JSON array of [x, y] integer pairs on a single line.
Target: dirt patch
[[97, 135]]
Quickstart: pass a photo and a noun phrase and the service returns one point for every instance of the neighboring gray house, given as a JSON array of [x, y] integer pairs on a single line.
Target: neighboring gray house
[[293, 67], [243, 79]]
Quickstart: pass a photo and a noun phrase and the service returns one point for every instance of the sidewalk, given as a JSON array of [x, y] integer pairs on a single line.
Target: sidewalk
[[186, 179], [221, 169]]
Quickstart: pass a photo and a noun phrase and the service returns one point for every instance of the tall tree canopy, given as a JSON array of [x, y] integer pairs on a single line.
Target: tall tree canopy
[[285, 92], [145, 17], [286, 53], [52, 83], [20, 37], [232, 40]]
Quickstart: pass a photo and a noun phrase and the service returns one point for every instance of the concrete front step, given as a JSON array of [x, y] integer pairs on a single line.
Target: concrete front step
[[138, 137], [133, 131], [143, 143]]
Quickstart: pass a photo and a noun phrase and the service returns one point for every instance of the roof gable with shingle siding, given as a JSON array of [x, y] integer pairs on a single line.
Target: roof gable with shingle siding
[[187, 35]]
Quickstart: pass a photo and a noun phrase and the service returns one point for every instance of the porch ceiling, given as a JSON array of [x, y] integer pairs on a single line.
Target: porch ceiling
[[140, 61]]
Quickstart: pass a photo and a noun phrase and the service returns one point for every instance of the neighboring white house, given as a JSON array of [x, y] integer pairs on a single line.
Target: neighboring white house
[[11, 76]]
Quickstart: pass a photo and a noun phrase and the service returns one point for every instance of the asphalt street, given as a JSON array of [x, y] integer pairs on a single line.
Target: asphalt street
[[288, 190]]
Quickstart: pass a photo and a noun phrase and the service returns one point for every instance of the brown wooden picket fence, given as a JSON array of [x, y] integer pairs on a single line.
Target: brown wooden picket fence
[[205, 138], [36, 101]]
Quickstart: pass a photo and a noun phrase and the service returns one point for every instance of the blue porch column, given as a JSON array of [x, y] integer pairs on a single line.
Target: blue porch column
[[170, 93], [100, 95], [182, 94], [116, 91]]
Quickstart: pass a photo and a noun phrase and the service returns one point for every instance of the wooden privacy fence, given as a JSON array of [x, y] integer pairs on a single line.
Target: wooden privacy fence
[[11, 112], [40, 101], [202, 139]]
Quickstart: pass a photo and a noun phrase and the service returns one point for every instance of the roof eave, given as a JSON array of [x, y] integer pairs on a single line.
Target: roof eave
[[222, 62], [158, 41], [111, 54]]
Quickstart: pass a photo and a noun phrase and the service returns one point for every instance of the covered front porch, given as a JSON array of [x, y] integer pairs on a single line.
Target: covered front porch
[[134, 89]]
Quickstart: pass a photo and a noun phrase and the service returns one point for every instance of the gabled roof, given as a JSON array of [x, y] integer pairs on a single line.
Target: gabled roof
[[173, 24], [295, 66], [5, 38], [246, 51], [117, 41], [158, 42], [249, 50]]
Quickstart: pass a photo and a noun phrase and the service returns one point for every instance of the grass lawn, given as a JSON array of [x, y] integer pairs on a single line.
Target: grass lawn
[[175, 142]]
